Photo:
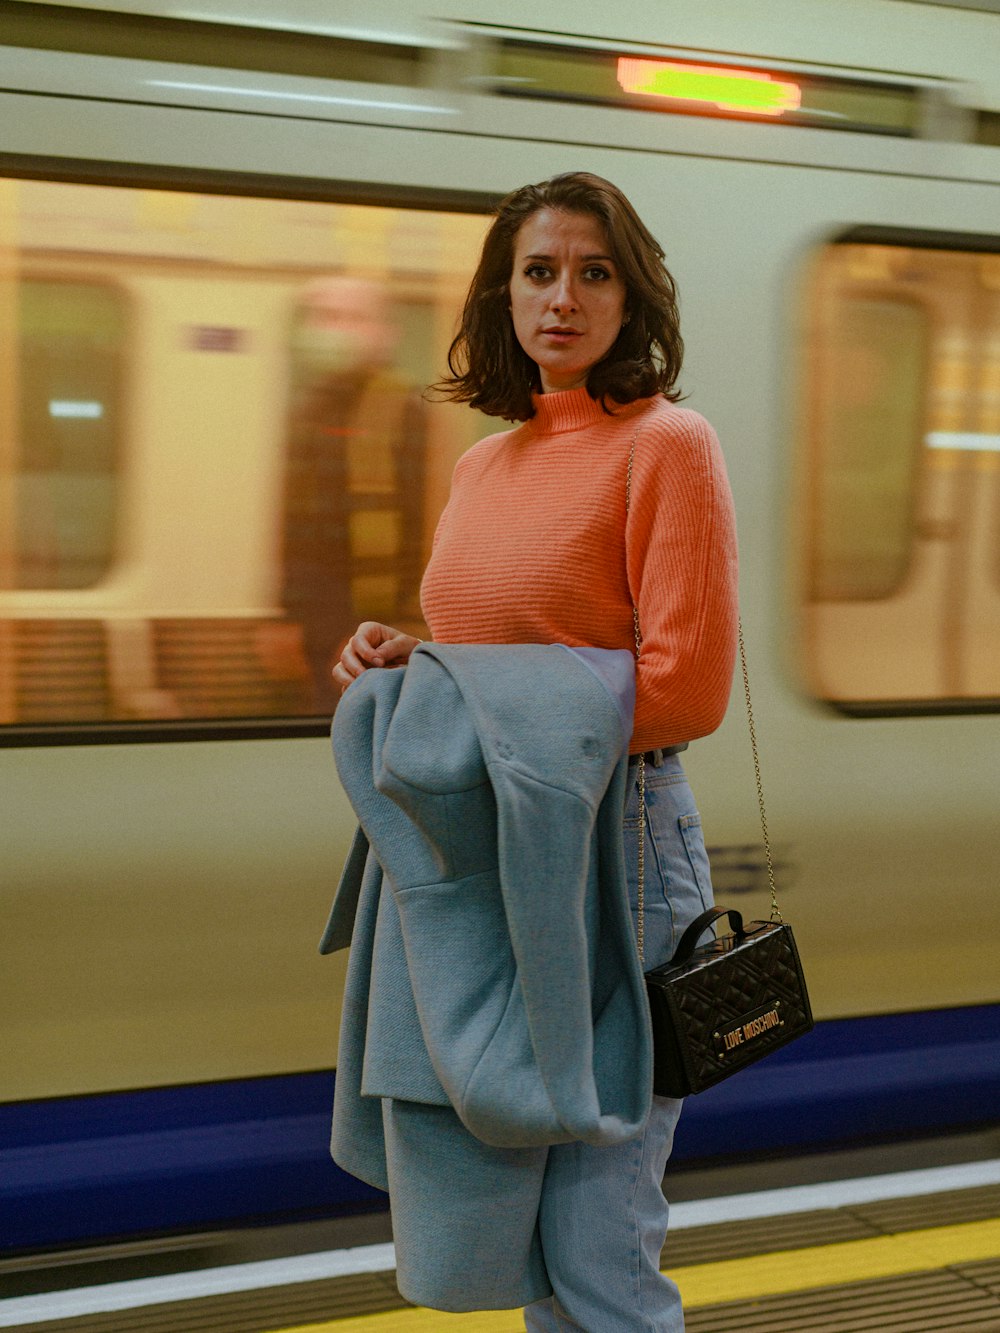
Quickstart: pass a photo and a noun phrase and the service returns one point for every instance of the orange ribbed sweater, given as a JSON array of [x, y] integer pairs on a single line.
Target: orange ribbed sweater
[[533, 547]]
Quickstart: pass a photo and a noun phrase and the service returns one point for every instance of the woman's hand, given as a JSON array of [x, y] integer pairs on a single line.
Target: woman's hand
[[372, 645]]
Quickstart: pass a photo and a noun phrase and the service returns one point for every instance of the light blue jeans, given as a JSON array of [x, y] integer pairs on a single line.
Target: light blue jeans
[[603, 1217]]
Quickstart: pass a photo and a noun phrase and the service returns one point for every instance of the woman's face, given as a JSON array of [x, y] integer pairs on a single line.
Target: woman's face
[[567, 298]]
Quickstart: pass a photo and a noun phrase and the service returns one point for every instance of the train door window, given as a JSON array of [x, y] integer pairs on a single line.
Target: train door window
[[66, 444], [868, 411], [900, 604]]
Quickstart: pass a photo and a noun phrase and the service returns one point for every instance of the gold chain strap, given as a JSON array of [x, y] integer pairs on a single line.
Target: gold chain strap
[[775, 909], [641, 893]]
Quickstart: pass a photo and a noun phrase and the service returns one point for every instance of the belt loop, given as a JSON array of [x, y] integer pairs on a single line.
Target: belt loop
[[656, 758]]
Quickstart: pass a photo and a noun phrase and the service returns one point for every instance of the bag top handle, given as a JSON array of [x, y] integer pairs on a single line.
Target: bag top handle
[[690, 938]]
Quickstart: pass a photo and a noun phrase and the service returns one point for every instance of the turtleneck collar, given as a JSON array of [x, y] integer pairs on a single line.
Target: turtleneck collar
[[570, 409]]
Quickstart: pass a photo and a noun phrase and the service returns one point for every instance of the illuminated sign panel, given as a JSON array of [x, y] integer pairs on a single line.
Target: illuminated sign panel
[[672, 85], [747, 91]]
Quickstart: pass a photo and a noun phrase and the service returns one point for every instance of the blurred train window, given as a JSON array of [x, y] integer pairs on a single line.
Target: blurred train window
[[215, 455], [66, 468], [900, 507], [868, 414]]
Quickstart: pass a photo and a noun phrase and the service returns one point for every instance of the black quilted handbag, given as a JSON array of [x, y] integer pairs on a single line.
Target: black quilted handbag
[[721, 1007]]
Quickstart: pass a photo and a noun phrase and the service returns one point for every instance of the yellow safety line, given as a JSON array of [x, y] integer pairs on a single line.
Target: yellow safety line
[[833, 1265], [735, 1279]]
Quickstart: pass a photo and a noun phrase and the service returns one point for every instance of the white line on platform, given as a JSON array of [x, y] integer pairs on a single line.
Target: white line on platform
[[20, 1311], [834, 1194], [191, 1286]]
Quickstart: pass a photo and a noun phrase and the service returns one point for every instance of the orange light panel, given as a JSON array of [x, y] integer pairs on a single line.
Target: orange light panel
[[748, 91]]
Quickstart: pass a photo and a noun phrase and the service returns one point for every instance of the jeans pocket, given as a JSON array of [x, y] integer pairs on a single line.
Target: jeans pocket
[[687, 879]]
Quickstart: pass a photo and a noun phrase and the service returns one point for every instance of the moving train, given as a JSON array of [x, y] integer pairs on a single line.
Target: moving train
[[175, 189]]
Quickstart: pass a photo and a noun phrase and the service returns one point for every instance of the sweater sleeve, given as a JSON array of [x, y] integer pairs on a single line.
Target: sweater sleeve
[[682, 572]]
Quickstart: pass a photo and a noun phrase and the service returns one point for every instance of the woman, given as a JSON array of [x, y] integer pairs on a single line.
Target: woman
[[571, 327]]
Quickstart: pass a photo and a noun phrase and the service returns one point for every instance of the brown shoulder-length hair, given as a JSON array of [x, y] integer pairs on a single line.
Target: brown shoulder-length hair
[[490, 370]]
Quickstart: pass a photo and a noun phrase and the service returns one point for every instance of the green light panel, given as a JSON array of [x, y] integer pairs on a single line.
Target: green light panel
[[745, 91]]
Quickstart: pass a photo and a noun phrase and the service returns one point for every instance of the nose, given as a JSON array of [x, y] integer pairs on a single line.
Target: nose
[[564, 295]]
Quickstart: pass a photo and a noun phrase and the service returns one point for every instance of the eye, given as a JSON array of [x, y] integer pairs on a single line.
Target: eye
[[536, 272], [596, 273]]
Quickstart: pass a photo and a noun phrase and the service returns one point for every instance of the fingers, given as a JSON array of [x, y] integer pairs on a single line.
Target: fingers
[[342, 677], [355, 658], [396, 651], [372, 645], [365, 646]]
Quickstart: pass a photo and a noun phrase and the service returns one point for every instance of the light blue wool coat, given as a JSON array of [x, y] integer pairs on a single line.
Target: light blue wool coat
[[494, 1006]]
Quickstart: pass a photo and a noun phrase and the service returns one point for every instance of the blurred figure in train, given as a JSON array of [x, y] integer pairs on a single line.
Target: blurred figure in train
[[352, 518]]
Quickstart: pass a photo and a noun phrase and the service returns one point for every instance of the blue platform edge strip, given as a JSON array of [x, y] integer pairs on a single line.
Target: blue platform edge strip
[[83, 1170]]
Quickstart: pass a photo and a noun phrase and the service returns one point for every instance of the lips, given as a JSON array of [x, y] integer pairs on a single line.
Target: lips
[[562, 334]]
